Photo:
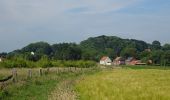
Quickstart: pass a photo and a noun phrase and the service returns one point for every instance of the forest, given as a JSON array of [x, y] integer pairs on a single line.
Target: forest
[[91, 49]]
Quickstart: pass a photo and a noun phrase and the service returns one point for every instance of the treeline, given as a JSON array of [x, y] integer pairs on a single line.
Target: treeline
[[44, 62], [93, 49]]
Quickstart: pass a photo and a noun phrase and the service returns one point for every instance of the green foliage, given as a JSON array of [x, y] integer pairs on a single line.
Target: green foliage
[[166, 58], [66, 51], [80, 63], [58, 63], [94, 48], [91, 49], [39, 48], [156, 45], [3, 54], [156, 56], [44, 62], [166, 47], [129, 52], [14, 63]]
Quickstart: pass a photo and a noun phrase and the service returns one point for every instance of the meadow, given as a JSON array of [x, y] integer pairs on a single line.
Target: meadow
[[37, 87], [119, 83], [128, 83]]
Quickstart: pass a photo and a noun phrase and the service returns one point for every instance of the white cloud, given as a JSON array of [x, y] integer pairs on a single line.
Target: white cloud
[[26, 21], [33, 9]]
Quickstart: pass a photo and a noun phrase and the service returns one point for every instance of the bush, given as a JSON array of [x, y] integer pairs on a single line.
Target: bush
[[14, 63], [81, 63], [58, 63], [44, 62]]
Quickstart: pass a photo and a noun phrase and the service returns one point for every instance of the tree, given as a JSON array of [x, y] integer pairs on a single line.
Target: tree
[[166, 57], [156, 56], [41, 48], [3, 54], [110, 52], [129, 52], [166, 47], [111, 46], [66, 51], [156, 45]]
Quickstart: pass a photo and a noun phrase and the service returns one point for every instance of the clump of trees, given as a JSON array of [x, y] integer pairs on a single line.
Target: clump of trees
[[72, 54]]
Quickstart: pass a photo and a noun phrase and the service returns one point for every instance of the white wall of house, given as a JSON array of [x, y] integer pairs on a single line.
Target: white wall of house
[[102, 62], [106, 61]]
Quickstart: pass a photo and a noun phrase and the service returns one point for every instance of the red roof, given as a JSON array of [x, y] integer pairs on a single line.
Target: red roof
[[104, 58]]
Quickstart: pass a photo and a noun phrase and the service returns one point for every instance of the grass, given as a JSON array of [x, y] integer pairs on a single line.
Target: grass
[[126, 84], [146, 67], [35, 88]]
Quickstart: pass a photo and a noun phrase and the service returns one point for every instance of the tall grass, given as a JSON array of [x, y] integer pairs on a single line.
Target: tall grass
[[126, 84], [38, 87]]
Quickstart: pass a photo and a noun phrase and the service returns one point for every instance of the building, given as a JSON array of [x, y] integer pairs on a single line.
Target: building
[[105, 61], [148, 50], [1, 59], [119, 61], [131, 61]]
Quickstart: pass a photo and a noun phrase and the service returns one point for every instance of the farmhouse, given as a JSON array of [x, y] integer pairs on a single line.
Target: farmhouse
[[0, 59], [131, 61], [119, 61], [105, 61]]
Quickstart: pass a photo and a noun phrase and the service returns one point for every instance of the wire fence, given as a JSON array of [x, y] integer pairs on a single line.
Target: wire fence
[[19, 74]]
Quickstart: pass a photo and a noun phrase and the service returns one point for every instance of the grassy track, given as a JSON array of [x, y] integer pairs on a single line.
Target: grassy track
[[50, 86], [126, 84], [36, 88]]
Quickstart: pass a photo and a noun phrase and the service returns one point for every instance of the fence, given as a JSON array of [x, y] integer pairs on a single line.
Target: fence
[[24, 74]]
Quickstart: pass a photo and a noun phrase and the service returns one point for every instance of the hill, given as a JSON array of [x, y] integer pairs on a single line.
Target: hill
[[94, 48], [111, 45]]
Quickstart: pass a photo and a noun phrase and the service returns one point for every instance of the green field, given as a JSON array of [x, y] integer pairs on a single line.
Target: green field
[[42, 87], [126, 84]]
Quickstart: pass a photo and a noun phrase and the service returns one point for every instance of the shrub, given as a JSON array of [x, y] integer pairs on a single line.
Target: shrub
[[44, 62]]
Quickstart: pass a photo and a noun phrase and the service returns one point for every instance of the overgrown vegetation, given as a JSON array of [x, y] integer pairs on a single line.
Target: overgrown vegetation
[[45, 62], [38, 87]]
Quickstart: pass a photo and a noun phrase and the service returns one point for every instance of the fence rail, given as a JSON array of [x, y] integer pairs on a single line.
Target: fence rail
[[31, 73], [6, 79]]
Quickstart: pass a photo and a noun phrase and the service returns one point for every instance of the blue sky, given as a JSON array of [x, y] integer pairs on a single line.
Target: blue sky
[[26, 21]]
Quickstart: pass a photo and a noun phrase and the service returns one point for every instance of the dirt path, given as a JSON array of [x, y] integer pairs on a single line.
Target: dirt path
[[64, 91]]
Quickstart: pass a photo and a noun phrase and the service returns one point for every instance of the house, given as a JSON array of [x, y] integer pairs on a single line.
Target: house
[[105, 61], [132, 61], [119, 61], [0, 59], [148, 50]]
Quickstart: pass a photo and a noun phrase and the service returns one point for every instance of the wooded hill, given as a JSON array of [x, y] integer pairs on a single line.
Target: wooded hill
[[94, 48]]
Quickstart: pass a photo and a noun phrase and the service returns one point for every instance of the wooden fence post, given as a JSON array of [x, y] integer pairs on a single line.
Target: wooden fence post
[[40, 72], [70, 69], [75, 69], [57, 70], [29, 73], [14, 74], [48, 70]]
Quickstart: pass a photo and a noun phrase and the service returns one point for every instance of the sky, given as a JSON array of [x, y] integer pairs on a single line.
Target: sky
[[55, 21]]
